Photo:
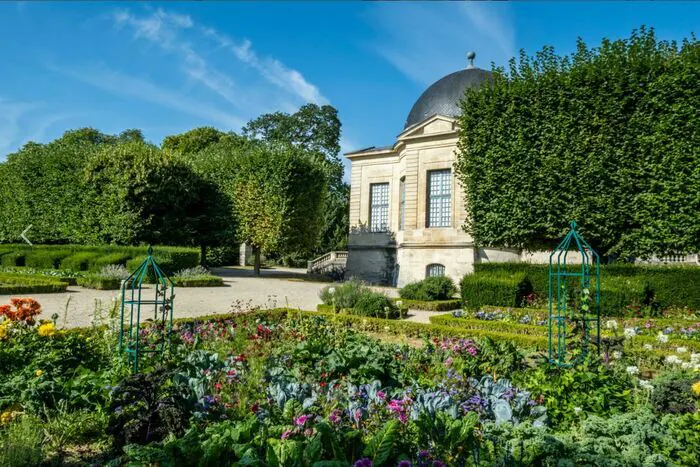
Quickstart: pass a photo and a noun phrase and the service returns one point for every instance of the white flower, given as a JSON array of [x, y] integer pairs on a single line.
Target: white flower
[[632, 370], [661, 337], [673, 360], [611, 324], [648, 347], [399, 303], [331, 290], [695, 357], [630, 332], [686, 365], [617, 355], [578, 410], [681, 349], [644, 384]]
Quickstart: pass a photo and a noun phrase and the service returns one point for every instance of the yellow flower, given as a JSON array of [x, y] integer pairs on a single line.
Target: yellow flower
[[47, 329], [5, 417], [696, 388], [4, 331], [38, 372]]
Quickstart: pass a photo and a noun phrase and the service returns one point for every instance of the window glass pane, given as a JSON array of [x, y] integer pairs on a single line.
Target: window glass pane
[[439, 198], [435, 270], [379, 207]]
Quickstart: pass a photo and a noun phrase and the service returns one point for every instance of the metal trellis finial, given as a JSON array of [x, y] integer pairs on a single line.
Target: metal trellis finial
[[150, 250]]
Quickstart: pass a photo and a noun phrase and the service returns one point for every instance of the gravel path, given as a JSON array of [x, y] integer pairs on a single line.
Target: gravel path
[[277, 287]]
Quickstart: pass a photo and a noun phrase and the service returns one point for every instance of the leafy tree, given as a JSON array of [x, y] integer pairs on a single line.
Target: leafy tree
[[42, 186], [607, 136], [317, 130], [142, 194], [195, 140], [279, 197]]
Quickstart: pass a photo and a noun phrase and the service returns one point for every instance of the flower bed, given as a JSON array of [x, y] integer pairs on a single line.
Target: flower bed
[[286, 387], [431, 305]]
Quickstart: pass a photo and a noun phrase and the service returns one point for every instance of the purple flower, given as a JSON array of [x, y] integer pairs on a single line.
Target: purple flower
[[438, 464], [423, 454], [381, 395], [363, 463], [404, 464]]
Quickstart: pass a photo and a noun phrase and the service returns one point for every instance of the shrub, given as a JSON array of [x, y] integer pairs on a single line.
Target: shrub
[[431, 288], [673, 394], [375, 305], [222, 256], [94, 281], [80, 261], [343, 295], [494, 289], [196, 277]]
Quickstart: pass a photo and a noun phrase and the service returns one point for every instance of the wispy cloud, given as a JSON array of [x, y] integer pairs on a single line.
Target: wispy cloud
[[11, 112], [143, 89], [425, 42], [179, 34], [270, 68], [21, 122]]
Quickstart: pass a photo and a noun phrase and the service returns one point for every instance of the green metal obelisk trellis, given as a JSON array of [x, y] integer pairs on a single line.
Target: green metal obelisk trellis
[[574, 300], [134, 338]]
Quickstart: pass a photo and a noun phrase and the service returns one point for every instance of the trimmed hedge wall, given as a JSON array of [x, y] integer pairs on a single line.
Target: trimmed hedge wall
[[622, 284], [28, 284], [494, 289]]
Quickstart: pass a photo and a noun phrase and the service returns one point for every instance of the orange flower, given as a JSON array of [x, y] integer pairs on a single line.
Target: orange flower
[[21, 309]]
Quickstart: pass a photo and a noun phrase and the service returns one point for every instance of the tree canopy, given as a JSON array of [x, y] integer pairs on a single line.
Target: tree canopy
[[607, 136], [279, 194]]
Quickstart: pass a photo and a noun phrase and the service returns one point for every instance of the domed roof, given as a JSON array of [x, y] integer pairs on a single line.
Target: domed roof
[[443, 96]]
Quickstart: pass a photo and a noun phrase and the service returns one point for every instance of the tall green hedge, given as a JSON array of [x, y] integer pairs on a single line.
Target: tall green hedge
[[607, 136], [622, 284], [494, 289]]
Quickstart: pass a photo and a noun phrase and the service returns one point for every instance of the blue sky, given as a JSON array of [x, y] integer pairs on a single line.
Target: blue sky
[[171, 66]]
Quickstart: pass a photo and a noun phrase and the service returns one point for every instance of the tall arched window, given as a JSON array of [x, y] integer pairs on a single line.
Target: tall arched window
[[434, 270]]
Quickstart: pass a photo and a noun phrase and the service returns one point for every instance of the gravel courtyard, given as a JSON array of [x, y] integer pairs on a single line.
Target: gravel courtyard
[[279, 287]]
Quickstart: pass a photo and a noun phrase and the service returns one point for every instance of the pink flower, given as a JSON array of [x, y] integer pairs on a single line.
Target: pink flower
[[448, 362], [381, 395], [302, 420], [286, 434], [308, 432]]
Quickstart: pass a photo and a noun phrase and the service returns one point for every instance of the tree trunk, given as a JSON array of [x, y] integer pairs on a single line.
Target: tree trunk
[[203, 255], [256, 264]]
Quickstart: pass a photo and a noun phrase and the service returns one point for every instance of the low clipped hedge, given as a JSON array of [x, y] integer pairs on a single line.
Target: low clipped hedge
[[81, 261], [29, 284], [433, 305], [494, 289], [93, 281], [93, 258], [13, 258], [199, 281], [45, 259]]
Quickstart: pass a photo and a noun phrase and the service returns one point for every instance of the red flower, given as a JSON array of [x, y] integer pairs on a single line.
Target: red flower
[[255, 407], [218, 386]]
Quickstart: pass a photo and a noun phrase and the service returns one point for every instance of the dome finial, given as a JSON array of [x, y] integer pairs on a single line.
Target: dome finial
[[471, 56]]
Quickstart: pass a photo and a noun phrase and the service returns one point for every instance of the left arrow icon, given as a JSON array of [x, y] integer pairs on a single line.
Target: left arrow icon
[[24, 237]]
